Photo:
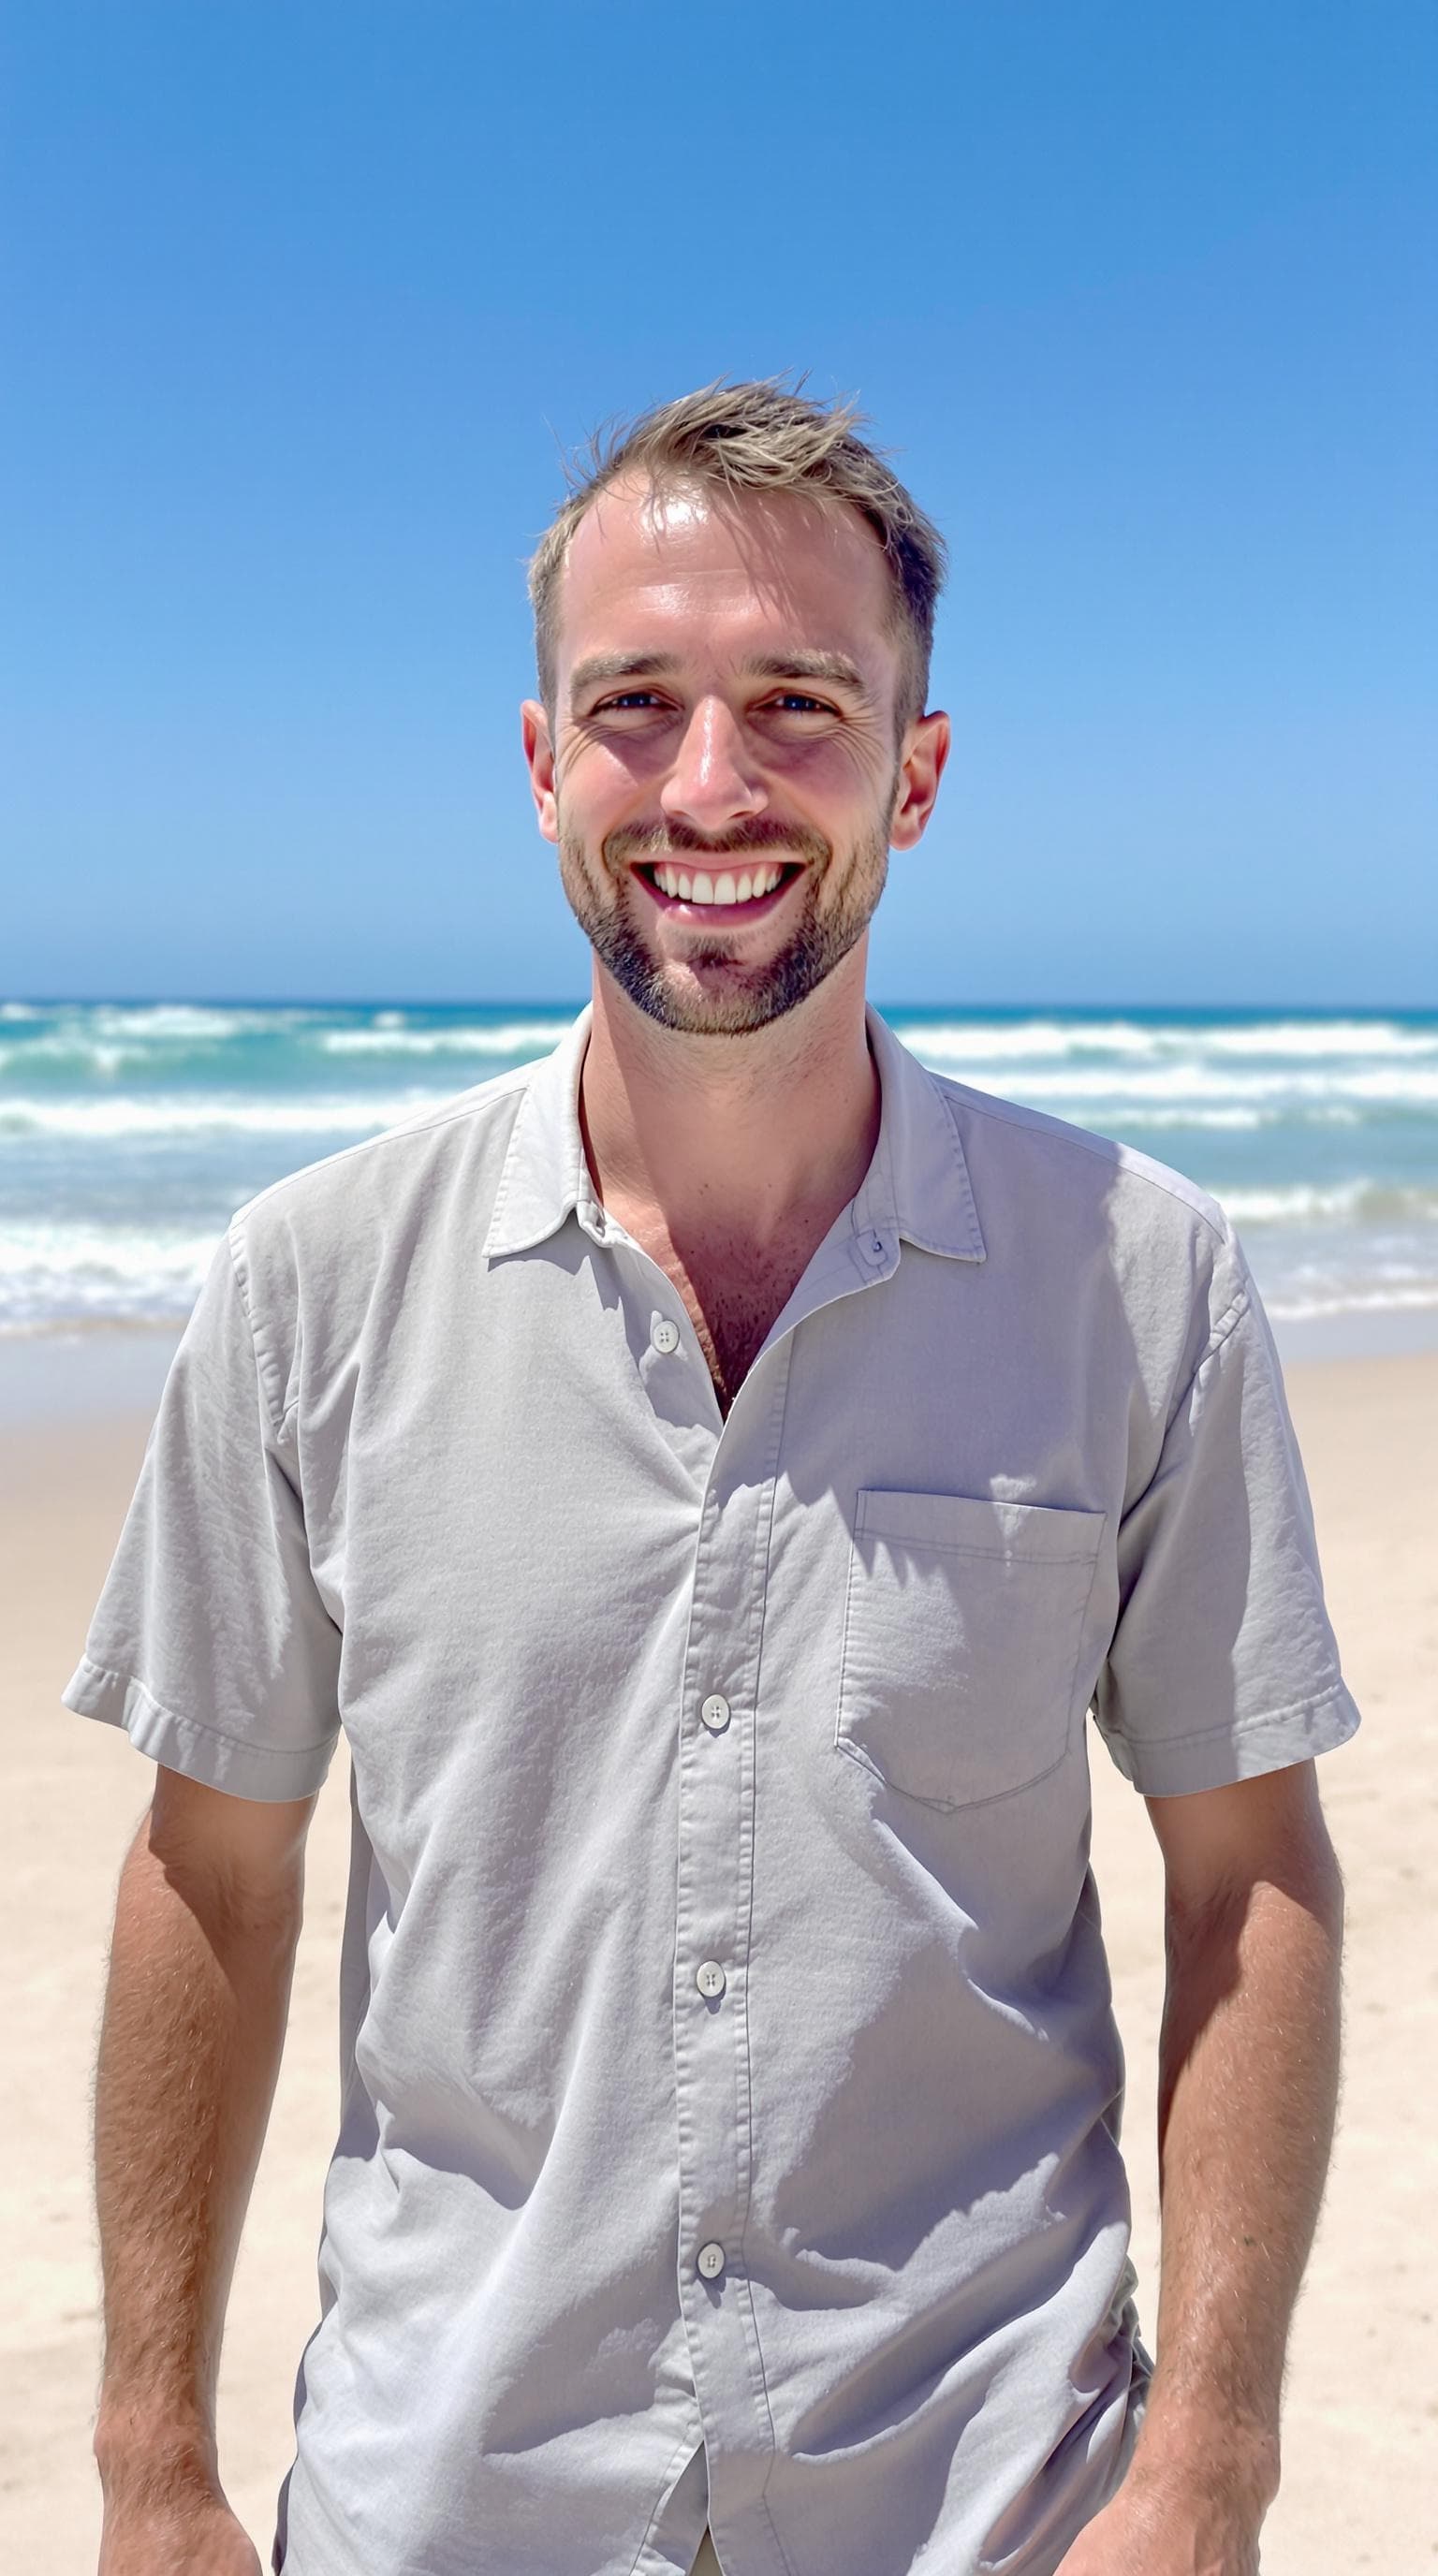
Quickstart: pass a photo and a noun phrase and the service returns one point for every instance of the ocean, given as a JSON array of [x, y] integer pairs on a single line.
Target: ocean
[[130, 1132]]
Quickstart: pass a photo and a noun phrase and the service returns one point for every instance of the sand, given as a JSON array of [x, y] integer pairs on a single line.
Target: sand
[[1362, 2406]]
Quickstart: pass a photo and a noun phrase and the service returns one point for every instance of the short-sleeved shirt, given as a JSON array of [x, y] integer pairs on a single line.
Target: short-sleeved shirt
[[731, 2088]]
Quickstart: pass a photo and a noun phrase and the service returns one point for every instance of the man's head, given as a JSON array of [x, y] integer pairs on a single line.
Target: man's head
[[733, 615]]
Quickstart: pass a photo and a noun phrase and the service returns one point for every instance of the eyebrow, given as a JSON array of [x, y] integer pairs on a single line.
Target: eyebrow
[[615, 666], [835, 668]]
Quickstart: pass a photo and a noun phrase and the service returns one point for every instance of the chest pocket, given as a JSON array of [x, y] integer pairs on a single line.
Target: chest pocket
[[962, 1626]]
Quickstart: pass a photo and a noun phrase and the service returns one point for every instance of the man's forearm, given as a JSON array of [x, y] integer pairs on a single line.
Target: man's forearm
[[190, 2047], [1248, 2083]]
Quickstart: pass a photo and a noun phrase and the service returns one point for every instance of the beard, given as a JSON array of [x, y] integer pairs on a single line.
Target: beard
[[688, 995]]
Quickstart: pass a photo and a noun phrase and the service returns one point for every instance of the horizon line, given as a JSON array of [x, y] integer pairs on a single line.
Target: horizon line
[[473, 1002]]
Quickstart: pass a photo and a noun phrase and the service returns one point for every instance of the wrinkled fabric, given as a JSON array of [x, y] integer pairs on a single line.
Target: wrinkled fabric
[[731, 2089]]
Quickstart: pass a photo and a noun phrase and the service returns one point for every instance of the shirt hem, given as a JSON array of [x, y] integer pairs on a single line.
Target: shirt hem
[[187, 1744], [1216, 1757]]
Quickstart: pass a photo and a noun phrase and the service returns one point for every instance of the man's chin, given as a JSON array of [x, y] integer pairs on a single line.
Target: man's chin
[[707, 997], [719, 1003]]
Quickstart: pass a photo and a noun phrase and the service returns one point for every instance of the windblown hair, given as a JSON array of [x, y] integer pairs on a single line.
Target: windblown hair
[[761, 436]]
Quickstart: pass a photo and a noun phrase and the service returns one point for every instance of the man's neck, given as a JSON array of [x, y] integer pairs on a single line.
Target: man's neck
[[731, 1137]]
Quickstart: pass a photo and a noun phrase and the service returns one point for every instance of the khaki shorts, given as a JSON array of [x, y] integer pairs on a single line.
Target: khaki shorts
[[706, 2564]]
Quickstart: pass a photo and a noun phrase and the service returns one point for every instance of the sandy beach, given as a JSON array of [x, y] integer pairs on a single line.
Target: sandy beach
[[1363, 2393]]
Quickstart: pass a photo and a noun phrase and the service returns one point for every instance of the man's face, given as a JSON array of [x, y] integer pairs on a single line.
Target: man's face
[[722, 774]]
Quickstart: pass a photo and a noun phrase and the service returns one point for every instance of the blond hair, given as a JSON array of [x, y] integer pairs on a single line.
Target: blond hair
[[760, 436]]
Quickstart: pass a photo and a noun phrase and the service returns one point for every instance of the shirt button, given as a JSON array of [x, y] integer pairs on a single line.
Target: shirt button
[[873, 1248], [665, 1335], [711, 2261], [715, 1713], [709, 1977]]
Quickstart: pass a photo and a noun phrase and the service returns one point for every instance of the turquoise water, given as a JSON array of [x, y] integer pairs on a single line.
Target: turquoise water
[[130, 1132]]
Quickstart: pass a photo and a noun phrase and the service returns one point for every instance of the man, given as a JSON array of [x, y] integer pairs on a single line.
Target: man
[[710, 1475]]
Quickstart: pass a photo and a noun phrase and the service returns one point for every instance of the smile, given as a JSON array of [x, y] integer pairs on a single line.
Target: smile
[[755, 889]]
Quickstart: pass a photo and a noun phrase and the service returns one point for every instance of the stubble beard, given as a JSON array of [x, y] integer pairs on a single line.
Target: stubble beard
[[751, 997]]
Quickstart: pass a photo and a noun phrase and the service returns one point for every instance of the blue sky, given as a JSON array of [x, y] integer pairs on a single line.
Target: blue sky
[[301, 302]]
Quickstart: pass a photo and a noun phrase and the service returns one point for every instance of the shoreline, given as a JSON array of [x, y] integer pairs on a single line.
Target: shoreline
[[106, 1370]]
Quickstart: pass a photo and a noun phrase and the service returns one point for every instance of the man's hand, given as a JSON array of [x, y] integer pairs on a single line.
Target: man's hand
[[1158, 2526], [193, 2538]]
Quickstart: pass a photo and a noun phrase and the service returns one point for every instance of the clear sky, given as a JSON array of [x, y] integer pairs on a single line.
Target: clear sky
[[302, 299]]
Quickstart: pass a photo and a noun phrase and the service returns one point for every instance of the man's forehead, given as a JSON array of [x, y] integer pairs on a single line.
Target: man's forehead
[[667, 508], [674, 550]]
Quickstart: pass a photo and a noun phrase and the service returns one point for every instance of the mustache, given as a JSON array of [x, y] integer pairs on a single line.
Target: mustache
[[658, 841]]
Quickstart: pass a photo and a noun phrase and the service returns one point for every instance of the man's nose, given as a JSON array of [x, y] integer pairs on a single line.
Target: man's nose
[[714, 781]]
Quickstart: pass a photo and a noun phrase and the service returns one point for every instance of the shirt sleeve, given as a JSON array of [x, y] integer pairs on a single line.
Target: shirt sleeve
[[210, 1645], [1222, 1663]]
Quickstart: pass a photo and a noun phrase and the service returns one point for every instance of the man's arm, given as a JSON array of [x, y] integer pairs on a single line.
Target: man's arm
[[206, 1921], [1248, 2082]]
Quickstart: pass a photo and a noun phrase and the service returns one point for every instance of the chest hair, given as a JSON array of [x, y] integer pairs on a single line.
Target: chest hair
[[733, 1292]]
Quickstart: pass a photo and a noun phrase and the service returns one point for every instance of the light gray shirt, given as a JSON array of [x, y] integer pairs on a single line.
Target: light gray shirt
[[731, 2088]]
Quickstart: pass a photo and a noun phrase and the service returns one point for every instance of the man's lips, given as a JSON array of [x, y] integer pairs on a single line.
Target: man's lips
[[718, 914]]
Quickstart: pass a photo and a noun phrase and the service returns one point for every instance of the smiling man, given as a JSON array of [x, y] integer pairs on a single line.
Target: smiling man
[[712, 1477]]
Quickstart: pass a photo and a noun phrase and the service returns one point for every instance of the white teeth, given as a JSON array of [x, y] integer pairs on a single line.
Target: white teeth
[[725, 889]]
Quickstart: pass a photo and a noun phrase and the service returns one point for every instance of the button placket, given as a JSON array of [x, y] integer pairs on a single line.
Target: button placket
[[715, 1859]]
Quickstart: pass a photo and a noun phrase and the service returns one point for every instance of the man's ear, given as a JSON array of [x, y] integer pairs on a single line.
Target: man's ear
[[539, 759], [921, 766]]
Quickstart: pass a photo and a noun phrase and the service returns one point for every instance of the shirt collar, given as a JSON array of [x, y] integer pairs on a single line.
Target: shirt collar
[[917, 1186], [545, 1176]]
